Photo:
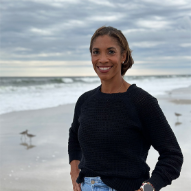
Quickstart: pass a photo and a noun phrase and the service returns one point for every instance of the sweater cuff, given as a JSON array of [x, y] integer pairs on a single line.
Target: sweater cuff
[[157, 182], [77, 155]]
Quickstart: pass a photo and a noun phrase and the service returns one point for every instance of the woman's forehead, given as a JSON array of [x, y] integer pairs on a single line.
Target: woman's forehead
[[105, 41]]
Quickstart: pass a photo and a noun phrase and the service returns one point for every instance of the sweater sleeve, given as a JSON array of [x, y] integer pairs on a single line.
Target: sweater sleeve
[[74, 149], [159, 134]]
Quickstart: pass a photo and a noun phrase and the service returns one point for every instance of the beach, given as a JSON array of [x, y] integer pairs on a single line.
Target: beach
[[41, 163]]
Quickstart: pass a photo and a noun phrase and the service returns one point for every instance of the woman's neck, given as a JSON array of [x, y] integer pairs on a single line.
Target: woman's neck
[[116, 86]]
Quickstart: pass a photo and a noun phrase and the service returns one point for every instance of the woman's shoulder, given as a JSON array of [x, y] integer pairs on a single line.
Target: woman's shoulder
[[86, 95], [140, 96]]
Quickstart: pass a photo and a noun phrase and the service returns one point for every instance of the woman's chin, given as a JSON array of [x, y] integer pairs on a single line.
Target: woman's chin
[[104, 77]]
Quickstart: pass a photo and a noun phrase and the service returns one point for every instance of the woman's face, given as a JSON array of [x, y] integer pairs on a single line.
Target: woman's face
[[106, 57]]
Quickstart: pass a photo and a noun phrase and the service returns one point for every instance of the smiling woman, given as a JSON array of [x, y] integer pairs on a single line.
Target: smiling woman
[[118, 40], [106, 56], [111, 57], [115, 124]]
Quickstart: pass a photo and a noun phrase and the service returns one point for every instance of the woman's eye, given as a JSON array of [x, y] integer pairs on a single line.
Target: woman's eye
[[95, 52], [111, 52]]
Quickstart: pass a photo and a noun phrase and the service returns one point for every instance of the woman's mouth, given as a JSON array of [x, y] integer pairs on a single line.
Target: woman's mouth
[[104, 69]]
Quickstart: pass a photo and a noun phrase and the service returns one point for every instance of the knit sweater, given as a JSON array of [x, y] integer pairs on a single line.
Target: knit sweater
[[111, 135]]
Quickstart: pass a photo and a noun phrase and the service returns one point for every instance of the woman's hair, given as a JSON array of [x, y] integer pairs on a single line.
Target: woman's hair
[[122, 41]]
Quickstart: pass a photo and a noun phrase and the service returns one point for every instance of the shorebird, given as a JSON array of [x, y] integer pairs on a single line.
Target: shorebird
[[177, 115], [30, 136], [24, 133]]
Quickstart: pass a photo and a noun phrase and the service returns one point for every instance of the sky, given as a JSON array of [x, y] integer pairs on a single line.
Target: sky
[[52, 37]]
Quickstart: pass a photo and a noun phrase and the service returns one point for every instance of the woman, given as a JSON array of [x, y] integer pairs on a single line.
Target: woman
[[115, 124]]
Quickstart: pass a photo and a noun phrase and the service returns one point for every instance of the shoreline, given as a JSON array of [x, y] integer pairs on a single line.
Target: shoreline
[[184, 93]]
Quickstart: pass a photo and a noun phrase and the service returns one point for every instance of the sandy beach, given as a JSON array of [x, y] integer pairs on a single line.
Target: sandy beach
[[41, 163]]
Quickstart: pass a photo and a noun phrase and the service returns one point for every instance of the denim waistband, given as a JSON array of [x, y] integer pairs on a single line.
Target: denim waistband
[[88, 180]]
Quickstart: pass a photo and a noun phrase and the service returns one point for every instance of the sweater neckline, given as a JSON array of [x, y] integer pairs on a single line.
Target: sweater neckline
[[114, 94]]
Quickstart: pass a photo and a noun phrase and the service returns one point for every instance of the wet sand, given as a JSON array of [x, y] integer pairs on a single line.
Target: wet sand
[[41, 164]]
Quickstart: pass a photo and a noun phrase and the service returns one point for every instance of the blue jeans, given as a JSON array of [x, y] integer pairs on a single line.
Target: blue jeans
[[95, 184]]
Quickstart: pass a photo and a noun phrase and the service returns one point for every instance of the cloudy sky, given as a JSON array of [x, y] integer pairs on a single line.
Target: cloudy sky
[[51, 37]]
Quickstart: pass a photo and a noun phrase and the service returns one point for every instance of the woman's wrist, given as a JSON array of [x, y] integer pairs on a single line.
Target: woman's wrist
[[74, 166]]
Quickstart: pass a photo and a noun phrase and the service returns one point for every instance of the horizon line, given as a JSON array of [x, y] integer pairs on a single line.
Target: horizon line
[[98, 77]]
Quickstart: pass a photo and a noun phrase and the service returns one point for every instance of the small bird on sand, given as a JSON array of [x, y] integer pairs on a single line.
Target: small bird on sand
[[177, 115], [24, 133], [30, 135]]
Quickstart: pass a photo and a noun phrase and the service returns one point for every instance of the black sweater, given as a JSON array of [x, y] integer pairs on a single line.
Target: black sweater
[[111, 135]]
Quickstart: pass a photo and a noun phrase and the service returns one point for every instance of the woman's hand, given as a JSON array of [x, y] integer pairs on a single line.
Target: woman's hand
[[74, 176], [140, 189], [74, 173]]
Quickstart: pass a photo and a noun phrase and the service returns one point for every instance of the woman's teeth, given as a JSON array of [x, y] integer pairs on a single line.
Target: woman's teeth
[[104, 68]]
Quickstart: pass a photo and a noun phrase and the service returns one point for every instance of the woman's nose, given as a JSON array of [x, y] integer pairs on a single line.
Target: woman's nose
[[103, 58]]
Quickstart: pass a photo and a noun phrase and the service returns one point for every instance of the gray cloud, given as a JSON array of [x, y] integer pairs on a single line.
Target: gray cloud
[[60, 30]]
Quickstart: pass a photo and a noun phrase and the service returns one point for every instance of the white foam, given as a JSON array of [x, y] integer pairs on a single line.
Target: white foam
[[17, 98], [89, 79], [67, 80]]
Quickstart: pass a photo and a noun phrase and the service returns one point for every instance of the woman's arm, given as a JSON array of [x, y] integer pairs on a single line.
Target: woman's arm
[[74, 165], [74, 149], [74, 173], [159, 134]]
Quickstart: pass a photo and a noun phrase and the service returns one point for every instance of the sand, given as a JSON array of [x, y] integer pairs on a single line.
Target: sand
[[41, 164]]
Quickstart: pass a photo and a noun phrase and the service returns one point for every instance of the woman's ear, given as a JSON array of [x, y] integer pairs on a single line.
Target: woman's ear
[[123, 57]]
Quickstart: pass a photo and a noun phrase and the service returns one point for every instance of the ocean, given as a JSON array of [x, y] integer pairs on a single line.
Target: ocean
[[28, 93]]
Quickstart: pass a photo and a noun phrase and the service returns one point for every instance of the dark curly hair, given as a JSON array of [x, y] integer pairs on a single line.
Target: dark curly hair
[[122, 41]]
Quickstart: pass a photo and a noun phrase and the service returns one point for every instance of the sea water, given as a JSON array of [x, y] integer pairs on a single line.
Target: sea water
[[27, 93]]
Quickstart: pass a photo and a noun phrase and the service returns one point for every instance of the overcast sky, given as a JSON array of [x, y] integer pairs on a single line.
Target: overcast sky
[[51, 37]]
